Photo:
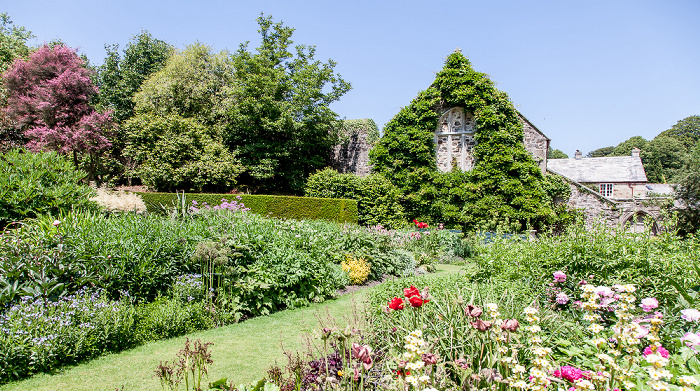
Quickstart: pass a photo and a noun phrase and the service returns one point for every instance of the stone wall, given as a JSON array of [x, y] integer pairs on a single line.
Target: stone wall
[[614, 213], [595, 208], [535, 143], [352, 156]]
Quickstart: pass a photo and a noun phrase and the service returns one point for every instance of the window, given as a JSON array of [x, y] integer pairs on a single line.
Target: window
[[606, 189]]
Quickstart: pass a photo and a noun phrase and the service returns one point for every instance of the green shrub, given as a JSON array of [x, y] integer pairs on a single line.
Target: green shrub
[[39, 183], [167, 318], [300, 208], [379, 200]]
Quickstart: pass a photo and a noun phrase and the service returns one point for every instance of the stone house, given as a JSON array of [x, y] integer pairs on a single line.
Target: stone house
[[613, 190]]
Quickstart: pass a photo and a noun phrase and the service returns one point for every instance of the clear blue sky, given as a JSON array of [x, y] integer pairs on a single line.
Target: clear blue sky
[[587, 73]]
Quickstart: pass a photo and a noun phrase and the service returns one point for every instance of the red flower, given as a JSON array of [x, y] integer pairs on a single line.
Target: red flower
[[416, 301], [410, 292], [396, 304]]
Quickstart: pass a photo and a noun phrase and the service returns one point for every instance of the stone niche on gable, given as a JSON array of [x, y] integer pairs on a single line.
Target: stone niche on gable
[[454, 140]]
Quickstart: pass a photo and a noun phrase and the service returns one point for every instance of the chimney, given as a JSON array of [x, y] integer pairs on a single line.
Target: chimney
[[578, 155], [635, 152]]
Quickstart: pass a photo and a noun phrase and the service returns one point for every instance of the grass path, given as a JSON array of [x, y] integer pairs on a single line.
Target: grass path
[[241, 351]]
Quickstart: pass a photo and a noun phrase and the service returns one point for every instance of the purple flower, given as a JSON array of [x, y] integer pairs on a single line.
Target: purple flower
[[559, 276], [649, 304]]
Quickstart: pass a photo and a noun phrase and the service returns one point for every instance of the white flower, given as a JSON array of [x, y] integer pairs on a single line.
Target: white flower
[[534, 329], [492, 307], [595, 328], [412, 380], [659, 386], [424, 379], [688, 381], [530, 311], [690, 315]]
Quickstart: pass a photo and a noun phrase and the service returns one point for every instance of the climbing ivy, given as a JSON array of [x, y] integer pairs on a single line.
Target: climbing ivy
[[505, 185]]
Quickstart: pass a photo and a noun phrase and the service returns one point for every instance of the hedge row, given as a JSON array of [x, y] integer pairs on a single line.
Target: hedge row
[[333, 209]]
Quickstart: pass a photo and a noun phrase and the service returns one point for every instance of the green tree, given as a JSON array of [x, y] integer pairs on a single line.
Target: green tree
[[175, 138], [556, 154], [176, 153], [625, 148], [601, 152], [121, 76], [505, 184], [278, 116], [688, 193], [663, 159], [13, 42], [686, 130]]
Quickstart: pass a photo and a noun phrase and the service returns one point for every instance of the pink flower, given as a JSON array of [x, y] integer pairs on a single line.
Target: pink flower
[[649, 304], [604, 291], [559, 276], [56, 223], [690, 315], [562, 298], [691, 340], [656, 349], [569, 373]]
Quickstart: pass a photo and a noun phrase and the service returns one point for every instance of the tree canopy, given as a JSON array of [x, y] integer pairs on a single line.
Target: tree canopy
[[49, 98]]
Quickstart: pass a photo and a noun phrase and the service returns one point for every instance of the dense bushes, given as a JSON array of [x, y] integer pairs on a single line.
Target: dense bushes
[[339, 210], [379, 200], [38, 183], [135, 278], [600, 256]]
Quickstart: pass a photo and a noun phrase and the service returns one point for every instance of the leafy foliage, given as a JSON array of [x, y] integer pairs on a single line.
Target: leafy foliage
[[688, 192], [49, 97], [505, 184], [13, 41], [556, 154], [38, 183], [120, 77], [278, 119], [379, 200], [173, 152]]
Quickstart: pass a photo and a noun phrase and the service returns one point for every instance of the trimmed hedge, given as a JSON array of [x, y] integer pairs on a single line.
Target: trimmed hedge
[[300, 208]]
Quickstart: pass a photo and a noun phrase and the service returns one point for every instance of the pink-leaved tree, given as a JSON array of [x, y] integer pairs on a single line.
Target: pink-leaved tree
[[49, 97]]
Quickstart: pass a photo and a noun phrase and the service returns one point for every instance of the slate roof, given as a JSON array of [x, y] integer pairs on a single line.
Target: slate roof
[[660, 188], [600, 169]]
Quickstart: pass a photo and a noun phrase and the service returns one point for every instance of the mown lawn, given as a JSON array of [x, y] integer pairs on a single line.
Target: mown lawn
[[241, 351]]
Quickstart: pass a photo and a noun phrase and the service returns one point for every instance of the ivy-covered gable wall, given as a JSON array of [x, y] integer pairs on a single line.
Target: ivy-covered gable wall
[[505, 184]]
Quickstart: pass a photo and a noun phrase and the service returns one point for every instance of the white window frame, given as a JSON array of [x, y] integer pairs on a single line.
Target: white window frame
[[606, 189]]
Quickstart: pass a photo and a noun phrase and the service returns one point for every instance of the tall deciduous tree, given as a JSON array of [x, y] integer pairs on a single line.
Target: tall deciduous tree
[[49, 97], [13, 42], [175, 137], [121, 76], [279, 120]]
